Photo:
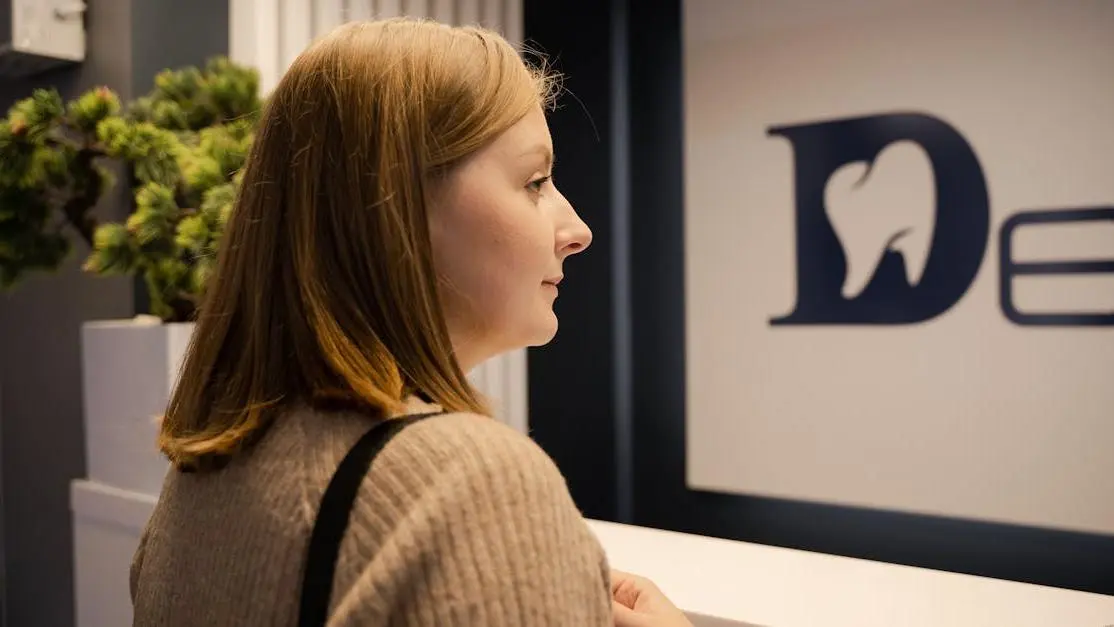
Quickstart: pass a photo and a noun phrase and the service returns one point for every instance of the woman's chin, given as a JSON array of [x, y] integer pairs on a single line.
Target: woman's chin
[[545, 330], [537, 332]]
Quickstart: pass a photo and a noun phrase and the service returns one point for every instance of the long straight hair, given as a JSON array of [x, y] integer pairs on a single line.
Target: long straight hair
[[324, 292]]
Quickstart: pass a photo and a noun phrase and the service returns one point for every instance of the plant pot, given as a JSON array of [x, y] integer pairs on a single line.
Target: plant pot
[[129, 368]]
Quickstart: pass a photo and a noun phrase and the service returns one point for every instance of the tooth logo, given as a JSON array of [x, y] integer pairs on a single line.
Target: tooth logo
[[885, 207], [892, 219]]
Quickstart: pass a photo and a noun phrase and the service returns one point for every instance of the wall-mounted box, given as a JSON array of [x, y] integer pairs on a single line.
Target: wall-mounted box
[[39, 35]]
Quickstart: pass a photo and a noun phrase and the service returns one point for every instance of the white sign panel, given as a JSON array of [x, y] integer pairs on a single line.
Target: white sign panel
[[900, 255]]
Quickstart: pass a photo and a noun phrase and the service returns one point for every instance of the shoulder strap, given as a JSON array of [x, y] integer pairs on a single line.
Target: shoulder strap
[[333, 515]]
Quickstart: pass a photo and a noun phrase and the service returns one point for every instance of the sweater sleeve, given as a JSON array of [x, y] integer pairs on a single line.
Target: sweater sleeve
[[468, 523]]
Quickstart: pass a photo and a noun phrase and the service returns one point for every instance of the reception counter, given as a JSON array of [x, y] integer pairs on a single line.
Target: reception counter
[[720, 583]]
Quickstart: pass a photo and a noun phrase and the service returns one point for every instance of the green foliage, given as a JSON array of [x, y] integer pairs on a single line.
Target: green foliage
[[180, 147]]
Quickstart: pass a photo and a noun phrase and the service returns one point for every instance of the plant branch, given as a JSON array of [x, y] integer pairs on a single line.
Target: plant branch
[[60, 138], [77, 209]]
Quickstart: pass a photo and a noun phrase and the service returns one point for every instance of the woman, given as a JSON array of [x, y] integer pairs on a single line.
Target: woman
[[397, 225]]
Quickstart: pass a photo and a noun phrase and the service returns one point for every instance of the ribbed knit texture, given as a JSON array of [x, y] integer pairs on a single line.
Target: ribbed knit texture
[[461, 521]]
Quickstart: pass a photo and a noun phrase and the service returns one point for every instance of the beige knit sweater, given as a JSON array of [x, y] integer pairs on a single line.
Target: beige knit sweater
[[462, 521]]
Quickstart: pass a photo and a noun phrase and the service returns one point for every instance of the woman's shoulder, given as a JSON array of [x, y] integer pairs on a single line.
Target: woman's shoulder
[[461, 451], [456, 447], [448, 432], [454, 497], [468, 481], [445, 469]]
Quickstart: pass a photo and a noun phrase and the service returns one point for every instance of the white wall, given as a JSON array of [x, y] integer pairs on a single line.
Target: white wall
[[966, 414], [269, 34]]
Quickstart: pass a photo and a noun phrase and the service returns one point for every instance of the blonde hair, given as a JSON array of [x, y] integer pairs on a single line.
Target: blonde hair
[[324, 291]]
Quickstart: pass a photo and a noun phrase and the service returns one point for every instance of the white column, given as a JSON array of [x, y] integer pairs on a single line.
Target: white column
[[491, 14], [512, 21], [256, 32], [443, 11], [467, 12], [360, 10], [327, 15], [387, 8], [416, 8], [296, 29]]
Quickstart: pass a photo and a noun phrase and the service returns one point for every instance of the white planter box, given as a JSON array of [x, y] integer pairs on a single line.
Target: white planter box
[[107, 525], [128, 370]]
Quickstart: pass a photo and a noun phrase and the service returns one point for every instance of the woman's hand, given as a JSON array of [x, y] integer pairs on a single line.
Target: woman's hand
[[637, 602]]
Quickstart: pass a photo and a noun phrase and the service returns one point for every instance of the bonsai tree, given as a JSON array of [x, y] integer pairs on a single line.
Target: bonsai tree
[[179, 149]]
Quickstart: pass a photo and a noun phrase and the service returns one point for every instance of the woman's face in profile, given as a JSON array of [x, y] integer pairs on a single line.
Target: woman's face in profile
[[500, 233]]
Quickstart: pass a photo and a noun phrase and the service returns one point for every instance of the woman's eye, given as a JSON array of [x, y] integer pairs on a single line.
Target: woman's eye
[[537, 184]]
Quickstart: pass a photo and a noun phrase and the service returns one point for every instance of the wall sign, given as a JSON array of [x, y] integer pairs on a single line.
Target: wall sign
[[899, 223]]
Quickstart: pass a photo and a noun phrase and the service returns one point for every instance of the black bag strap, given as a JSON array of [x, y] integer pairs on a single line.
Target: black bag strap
[[333, 515]]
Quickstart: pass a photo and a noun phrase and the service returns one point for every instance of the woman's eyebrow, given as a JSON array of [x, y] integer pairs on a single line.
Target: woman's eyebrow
[[540, 149]]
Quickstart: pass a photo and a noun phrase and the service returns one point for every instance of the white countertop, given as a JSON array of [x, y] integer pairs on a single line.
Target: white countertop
[[725, 583], [721, 583]]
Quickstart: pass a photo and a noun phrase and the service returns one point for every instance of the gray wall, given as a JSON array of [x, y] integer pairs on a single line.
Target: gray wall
[[41, 433]]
